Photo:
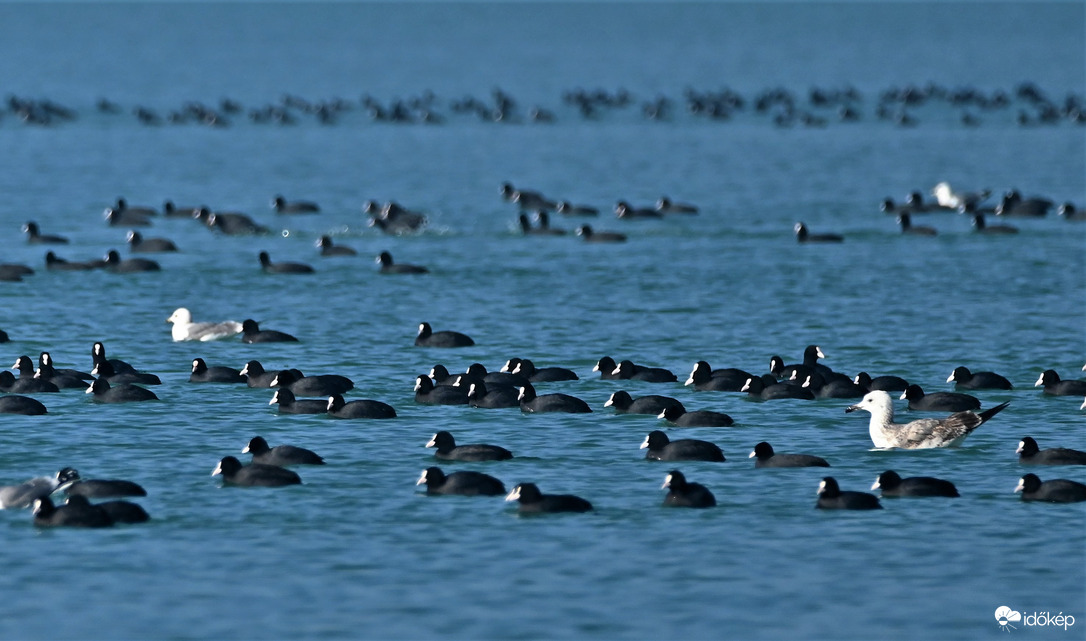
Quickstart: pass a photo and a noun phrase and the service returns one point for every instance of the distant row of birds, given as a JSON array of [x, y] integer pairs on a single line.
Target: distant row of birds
[[783, 107]]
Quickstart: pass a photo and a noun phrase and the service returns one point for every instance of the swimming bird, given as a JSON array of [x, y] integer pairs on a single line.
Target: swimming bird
[[361, 408], [27, 383], [329, 248], [832, 497], [982, 227], [704, 378], [665, 205], [281, 455], [390, 267], [98, 356], [137, 243], [950, 199], [201, 373], [698, 418], [592, 236], [764, 456], [104, 370], [427, 337], [653, 404], [533, 501], [24, 494], [766, 388], [123, 393], [804, 235], [426, 393], [103, 488], [184, 329], [1029, 453], [34, 235], [1013, 204], [49, 374], [115, 264], [393, 218], [627, 211], [836, 388], [448, 450], [289, 404], [526, 368], [254, 474], [256, 376], [530, 402], [661, 448], [964, 379], [939, 401], [123, 218], [465, 482], [56, 263], [921, 433], [479, 395], [606, 366], [886, 383], [251, 333], [1052, 491], [907, 226], [230, 223], [283, 206], [1050, 379], [79, 514], [567, 208], [119, 511], [891, 484], [18, 404], [628, 370], [682, 493], [284, 267]]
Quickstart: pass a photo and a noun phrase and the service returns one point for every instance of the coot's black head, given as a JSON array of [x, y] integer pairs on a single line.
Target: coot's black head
[[423, 384], [762, 450], [335, 403], [620, 399], [961, 373], [527, 393], [655, 440], [228, 466], [888, 480], [198, 365], [43, 507], [253, 368], [624, 369], [476, 370], [674, 480], [249, 326], [284, 377], [776, 365], [265, 259], [257, 446], [386, 259], [913, 392], [425, 330], [1027, 446], [443, 441], [98, 386], [431, 477], [525, 493], [282, 396], [829, 488], [1029, 483], [671, 412], [605, 365]]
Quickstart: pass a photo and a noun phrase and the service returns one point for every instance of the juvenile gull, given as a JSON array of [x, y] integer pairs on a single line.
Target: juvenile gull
[[184, 329], [24, 494], [921, 433]]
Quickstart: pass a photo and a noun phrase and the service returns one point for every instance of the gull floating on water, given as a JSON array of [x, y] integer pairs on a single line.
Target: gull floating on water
[[22, 495], [186, 330], [921, 433]]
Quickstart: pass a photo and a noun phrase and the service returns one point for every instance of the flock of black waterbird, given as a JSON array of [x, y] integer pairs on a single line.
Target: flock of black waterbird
[[1025, 104]]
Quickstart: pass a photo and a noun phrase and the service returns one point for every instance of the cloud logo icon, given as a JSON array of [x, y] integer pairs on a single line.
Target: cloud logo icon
[[1005, 616]]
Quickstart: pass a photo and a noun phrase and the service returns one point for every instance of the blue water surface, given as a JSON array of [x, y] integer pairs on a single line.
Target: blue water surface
[[357, 551]]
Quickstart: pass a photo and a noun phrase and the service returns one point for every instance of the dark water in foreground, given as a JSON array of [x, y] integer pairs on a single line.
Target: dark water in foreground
[[356, 551]]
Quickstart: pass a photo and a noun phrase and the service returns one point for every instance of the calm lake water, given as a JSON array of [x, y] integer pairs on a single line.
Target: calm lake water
[[357, 551]]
